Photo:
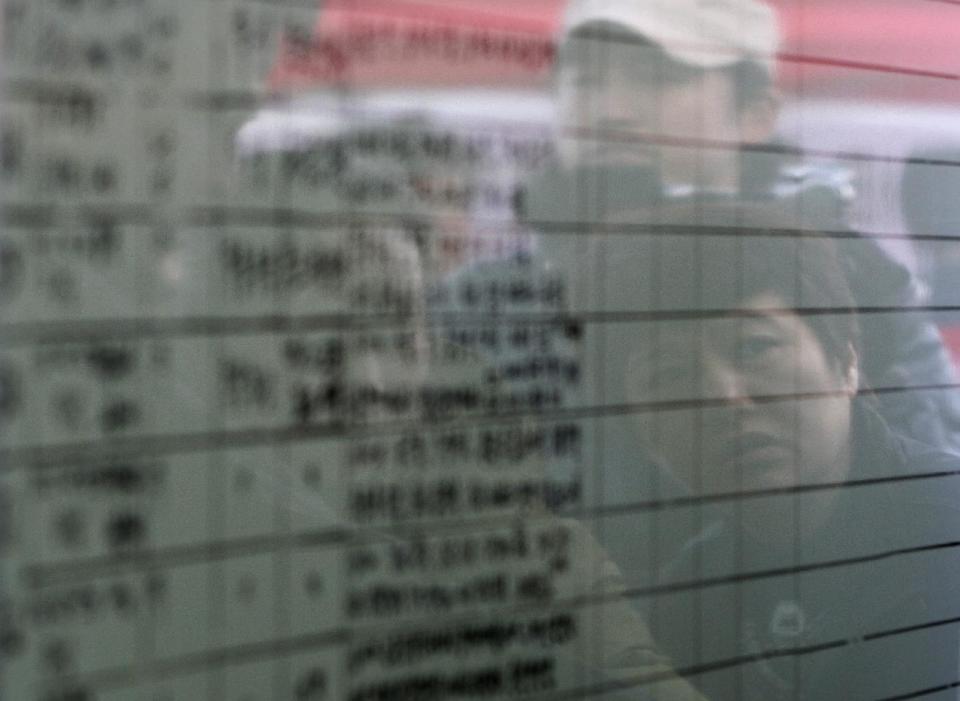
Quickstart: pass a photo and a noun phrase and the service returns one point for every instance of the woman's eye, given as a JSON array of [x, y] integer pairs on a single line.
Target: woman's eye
[[756, 347]]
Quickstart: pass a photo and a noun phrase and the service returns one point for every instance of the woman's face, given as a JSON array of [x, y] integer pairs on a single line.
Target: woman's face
[[752, 403]]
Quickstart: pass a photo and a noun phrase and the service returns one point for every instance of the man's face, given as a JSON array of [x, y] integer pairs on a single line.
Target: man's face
[[390, 273], [769, 409], [623, 102]]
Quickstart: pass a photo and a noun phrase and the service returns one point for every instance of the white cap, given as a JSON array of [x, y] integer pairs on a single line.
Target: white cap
[[701, 33]]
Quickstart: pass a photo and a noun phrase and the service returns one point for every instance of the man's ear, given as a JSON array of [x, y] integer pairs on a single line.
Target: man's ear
[[758, 119], [852, 373]]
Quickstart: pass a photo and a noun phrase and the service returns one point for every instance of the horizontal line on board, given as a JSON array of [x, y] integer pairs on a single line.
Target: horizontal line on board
[[53, 573], [17, 334], [278, 648], [228, 215], [719, 665], [150, 445], [928, 690]]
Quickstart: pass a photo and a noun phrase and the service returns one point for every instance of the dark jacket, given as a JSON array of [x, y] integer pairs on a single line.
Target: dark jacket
[[902, 355], [864, 607], [903, 358]]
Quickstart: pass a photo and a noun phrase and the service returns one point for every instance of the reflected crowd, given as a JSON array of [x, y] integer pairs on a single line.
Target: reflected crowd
[[773, 379], [415, 350]]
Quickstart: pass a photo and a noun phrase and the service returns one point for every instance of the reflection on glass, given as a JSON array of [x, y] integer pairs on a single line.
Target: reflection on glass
[[454, 349]]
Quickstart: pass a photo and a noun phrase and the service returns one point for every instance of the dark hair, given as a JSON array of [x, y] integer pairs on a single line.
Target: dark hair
[[712, 256]]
